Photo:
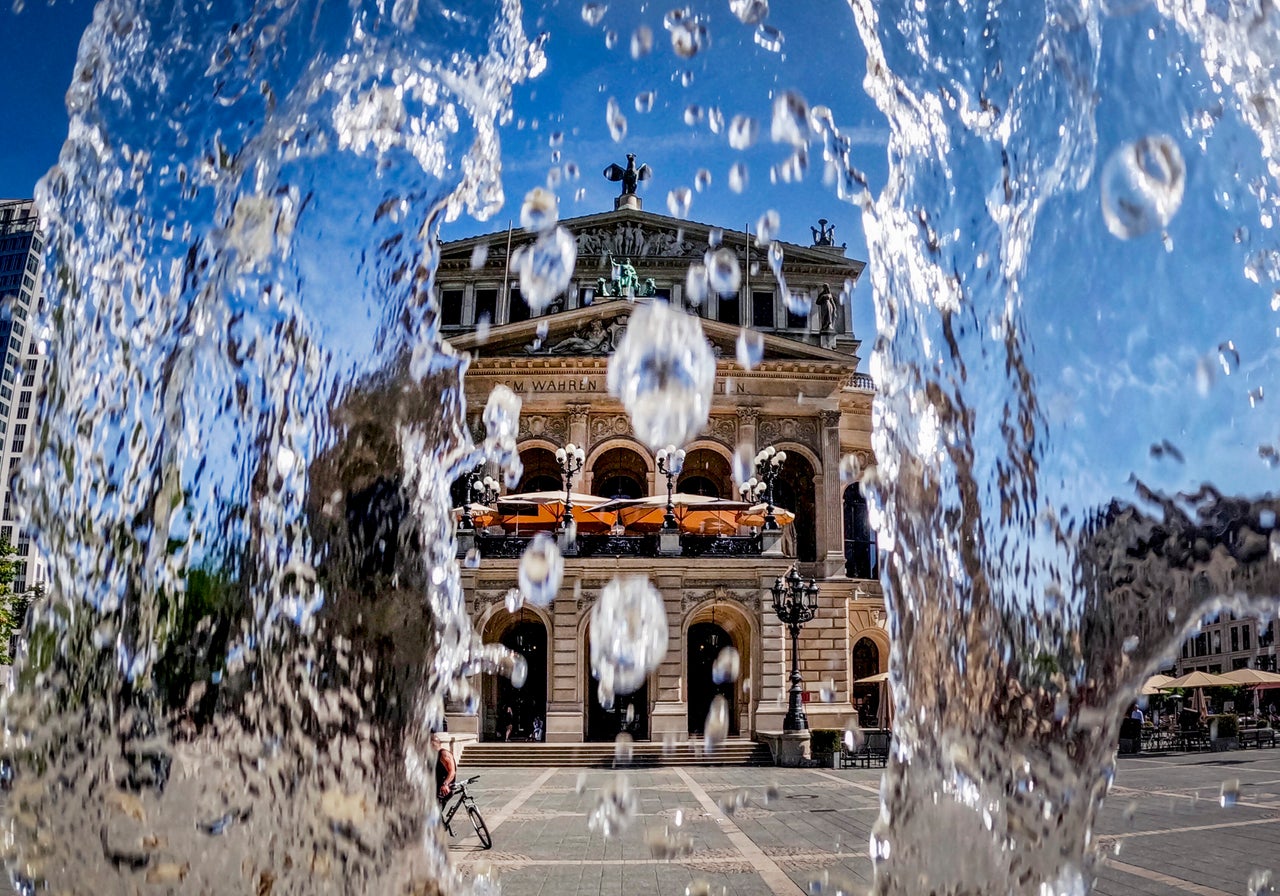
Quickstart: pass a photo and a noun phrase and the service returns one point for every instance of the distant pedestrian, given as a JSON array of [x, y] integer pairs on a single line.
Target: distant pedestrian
[[1137, 714], [506, 721]]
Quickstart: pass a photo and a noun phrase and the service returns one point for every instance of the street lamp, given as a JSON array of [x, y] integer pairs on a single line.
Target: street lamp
[[768, 465], [670, 463], [479, 488], [570, 459], [795, 603]]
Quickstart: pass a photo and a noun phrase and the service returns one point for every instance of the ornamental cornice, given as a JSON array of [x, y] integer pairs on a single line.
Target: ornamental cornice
[[749, 598]]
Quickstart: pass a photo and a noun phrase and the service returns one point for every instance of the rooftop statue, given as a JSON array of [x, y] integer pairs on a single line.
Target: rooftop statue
[[625, 281], [630, 176]]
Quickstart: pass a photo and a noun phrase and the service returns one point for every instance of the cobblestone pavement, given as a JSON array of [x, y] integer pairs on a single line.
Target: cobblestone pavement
[[789, 831]]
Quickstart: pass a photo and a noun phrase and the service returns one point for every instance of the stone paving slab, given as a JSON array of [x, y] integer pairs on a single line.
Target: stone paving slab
[[771, 831]]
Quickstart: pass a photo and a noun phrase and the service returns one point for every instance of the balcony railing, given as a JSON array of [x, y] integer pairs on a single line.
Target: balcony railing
[[512, 546]]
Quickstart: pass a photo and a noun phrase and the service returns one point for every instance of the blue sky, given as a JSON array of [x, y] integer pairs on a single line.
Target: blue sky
[[820, 58]]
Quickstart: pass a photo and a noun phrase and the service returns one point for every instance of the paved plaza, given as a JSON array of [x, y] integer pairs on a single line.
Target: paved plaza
[[791, 831]]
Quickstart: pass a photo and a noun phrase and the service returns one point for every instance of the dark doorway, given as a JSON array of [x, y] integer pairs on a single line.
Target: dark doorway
[[522, 707], [541, 472], [630, 713], [619, 472], [705, 641], [794, 491], [866, 697]]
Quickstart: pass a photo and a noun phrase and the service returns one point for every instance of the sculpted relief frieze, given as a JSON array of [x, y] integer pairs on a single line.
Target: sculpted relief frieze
[[803, 430], [553, 427], [747, 597], [631, 240]]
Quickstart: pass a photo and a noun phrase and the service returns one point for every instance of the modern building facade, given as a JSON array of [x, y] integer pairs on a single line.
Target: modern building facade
[[805, 396], [21, 254]]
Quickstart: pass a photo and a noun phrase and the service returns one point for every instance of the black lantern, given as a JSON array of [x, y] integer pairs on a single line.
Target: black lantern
[[670, 463], [796, 603], [570, 459]]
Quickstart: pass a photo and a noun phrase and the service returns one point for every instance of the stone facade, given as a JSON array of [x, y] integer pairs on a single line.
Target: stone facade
[[804, 397]]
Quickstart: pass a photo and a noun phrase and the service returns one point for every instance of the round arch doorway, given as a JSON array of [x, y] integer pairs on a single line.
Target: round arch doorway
[[866, 697], [629, 712], [705, 641], [509, 707]]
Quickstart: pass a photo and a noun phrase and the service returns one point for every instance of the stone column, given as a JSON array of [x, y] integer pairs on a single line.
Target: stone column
[[566, 700], [578, 424], [667, 686], [831, 496], [748, 422]]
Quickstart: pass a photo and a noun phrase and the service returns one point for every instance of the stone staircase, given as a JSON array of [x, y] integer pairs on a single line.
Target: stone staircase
[[733, 751]]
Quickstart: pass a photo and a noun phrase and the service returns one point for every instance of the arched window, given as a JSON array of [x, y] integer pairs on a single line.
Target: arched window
[[619, 473], [861, 557], [541, 472], [794, 491], [866, 697], [705, 473]]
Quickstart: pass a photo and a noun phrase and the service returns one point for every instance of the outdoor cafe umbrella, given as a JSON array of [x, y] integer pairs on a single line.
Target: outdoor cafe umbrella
[[694, 513], [481, 514], [754, 516], [1198, 681], [884, 704], [542, 511], [1256, 680], [1154, 684]]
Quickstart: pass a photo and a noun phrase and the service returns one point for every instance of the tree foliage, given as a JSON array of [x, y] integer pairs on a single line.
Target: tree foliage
[[13, 607]]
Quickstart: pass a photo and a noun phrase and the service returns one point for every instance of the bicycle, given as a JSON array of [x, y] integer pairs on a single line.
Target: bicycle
[[466, 799]]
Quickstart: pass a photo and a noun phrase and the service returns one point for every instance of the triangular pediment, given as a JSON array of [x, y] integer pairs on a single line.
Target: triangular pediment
[[594, 332]]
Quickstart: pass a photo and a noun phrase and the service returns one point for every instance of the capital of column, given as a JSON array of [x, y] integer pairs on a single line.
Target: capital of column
[[829, 419], [748, 415]]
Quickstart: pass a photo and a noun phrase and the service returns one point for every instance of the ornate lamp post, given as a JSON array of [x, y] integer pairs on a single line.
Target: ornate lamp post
[[479, 487], [570, 459], [768, 465], [670, 463], [795, 603]]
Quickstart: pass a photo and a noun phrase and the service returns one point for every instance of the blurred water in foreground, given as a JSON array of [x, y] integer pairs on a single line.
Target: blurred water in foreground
[[252, 424]]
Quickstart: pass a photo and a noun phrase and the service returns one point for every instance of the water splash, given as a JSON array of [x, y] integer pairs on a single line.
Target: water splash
[[257, 433]]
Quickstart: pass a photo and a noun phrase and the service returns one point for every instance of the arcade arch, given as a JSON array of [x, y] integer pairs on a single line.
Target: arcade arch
[[525, 633], [708, 629]]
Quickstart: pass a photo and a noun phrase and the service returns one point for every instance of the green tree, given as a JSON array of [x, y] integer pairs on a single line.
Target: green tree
[[13, 607]]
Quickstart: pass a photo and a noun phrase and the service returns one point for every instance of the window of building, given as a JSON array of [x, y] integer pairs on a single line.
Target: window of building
[[486, 305], [796, 321], [1246, 635], [517, 308], [727, 313], [860, 551], [1240, 662], [451, 307], [762, 310], [1217, 641], [19, 440], [1235, 639]]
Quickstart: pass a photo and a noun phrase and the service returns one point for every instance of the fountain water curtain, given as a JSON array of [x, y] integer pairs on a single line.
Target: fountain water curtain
[[242, 480]]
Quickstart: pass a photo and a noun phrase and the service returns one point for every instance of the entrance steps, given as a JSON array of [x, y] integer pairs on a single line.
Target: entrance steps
[[645, 754]]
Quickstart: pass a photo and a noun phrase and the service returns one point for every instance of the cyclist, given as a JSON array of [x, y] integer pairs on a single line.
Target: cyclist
[[446, 769]]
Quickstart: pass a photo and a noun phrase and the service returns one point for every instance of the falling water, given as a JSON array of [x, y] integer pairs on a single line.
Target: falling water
[[252, 420]]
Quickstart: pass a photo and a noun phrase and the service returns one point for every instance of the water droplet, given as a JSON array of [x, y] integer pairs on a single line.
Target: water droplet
[[610, 39], [717, 724], [1204, 376], [715, 119], [769, 38], [678, 818], [738, 177], [628, 632], [750, 351], [727, 666], [472, 560], [744, 462], [1130, 644], [479, 255], [1255, 397], [615, 808], [1142, 186], [580, 785], [571, 170], [624, 748], [513, 600], [641, 41], [546, 267], [724, 272], [616, 120], [1228, 357], [1260, 884], [701, 179], [767, 227], [1230, 793], [501, 416], [688, 34], [743, 131], [519, 671], [556, 140], [827, 692], [850, 468], [669, 745], [692, 114], [695, 284], [539, 211], [666, 844], [541, 570], [686, 78], [663, 373], [749, 12], [790, 120], [593, 13], [644, 100], [678, 201]]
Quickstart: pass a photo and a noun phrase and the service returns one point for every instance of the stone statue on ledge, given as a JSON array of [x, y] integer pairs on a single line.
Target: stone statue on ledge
[[625, 282]]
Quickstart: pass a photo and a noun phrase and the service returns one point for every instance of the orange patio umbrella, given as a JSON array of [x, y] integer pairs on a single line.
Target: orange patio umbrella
[[754, 516], [542, 511], [697, 514]]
